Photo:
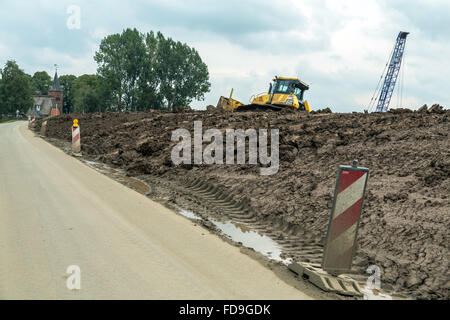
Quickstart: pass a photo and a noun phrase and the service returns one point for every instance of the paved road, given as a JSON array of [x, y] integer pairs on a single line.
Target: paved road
[[56, 212]]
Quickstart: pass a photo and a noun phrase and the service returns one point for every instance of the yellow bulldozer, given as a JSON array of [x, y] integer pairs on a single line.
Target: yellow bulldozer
[[283, 93]]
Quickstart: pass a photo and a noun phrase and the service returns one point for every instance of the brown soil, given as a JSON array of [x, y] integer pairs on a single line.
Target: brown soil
[[405, 223]]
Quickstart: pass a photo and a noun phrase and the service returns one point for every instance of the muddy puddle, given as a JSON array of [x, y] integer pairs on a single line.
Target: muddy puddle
[[251, 239], [242, 234], [189, 214]]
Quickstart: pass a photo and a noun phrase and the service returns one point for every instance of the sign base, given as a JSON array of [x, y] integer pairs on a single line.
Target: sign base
[[341, 284]]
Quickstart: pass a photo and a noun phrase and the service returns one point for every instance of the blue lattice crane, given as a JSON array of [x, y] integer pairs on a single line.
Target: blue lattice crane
[[392, 73]]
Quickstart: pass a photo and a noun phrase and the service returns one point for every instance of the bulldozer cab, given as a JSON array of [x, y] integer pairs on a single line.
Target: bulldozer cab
[[288, 86]]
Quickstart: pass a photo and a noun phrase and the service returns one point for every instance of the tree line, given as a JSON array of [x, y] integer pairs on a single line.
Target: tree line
[[135, 72]]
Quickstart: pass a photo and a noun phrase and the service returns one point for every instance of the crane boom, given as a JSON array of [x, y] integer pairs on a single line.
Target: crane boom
[[392, 74]]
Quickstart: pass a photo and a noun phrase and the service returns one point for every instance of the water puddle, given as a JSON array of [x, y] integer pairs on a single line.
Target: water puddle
[[102, 168], [240, 233], [189, 214], [251, 239], [136, 184], [374, 294], [91, 164]]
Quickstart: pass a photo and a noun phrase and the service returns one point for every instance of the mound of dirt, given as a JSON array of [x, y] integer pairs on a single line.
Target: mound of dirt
[[405, 223]]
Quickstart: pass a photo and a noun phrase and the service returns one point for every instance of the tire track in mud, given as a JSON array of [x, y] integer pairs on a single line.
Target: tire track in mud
[[215, 202]]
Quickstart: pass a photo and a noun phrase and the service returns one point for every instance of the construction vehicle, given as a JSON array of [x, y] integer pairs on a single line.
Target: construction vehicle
[[284, 93]]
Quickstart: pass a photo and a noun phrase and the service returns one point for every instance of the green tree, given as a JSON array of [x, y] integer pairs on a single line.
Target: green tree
[[182, 74], [120, 60], [41, 82], [15, 89], [2, 97], [67, 82], [86, 94], [148, 95], [86, 100], [104, 95], [140, 71]]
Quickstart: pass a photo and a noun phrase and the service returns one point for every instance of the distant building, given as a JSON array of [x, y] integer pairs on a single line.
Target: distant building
[[50, 104]]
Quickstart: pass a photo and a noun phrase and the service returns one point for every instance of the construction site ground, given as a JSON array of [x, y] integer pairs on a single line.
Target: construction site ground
[[404, 227]]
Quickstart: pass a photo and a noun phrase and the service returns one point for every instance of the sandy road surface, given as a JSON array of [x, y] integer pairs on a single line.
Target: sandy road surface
[[56, 212]]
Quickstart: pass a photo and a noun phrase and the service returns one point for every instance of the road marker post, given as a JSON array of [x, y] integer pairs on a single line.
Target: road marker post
[[76, 143], [340, 243], [29, 122], [43, 128], [33, 122]]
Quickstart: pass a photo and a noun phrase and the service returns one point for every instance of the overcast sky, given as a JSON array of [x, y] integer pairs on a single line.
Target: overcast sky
[[340, 47]]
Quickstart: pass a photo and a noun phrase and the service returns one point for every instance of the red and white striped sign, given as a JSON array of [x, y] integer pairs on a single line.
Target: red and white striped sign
[[32, 123], [43, 127], [347, 206], [76, 143]]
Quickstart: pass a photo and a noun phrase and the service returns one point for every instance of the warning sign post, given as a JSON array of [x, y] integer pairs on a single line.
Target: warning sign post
[[340, 244], [76, 137], [43, 128]]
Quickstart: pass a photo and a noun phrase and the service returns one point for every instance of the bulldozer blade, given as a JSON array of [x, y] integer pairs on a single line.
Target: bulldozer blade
[[228, 104]]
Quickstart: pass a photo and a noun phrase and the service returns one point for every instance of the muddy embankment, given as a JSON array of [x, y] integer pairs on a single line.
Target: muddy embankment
[[405, 224]]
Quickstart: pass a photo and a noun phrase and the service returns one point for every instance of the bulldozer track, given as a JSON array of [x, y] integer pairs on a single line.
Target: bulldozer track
[[261, 108]]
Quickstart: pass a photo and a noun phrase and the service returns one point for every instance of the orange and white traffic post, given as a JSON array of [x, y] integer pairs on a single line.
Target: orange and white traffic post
[[33, 122], [76, 143], [43, 128], [340, 245]]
